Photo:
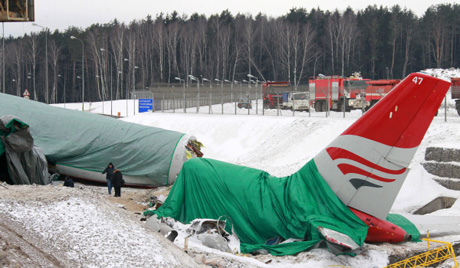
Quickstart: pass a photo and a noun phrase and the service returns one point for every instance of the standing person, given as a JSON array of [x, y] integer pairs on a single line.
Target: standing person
[[109, 170], [117, 181]]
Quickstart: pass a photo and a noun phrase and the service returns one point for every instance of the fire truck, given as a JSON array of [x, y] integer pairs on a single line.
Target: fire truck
[[332, 92], [272, 93], [357, 93], [455, 92], [377, 89]]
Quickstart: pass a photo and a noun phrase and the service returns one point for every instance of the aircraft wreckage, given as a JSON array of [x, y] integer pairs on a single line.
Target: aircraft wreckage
[[81, 144], [341, 198]]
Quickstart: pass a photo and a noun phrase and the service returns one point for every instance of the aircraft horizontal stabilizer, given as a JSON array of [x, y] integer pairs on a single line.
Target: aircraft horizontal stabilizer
[[435, 225]]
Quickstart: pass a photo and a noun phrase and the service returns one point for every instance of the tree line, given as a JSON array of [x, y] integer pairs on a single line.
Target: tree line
[[114, 58]]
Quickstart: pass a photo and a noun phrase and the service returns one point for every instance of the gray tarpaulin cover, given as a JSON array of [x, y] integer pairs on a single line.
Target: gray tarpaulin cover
[[26, 163], [90, 141]]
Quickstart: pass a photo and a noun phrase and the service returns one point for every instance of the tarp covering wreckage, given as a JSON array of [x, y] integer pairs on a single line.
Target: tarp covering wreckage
[[23, 162], [261, 207], [81, 144]]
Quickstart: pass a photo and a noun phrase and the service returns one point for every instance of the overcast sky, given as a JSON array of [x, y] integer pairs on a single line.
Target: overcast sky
[[61, 14]]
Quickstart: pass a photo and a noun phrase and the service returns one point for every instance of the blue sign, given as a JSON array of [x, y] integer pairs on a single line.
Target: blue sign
[[145, 105]]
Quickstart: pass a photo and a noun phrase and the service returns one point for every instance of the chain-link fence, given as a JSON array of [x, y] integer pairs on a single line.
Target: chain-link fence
[[207, 99]]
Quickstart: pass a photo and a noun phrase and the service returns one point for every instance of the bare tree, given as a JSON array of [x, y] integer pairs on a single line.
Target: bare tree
[[348, 37], [409, 22], [33, 52], [333, 33], [285, 46], [173, 33], [95, 54], [118, 41], [395, 27], [249, 40], [130, 80], [307, 53], [15, 59], [159, 32], [54, 56]]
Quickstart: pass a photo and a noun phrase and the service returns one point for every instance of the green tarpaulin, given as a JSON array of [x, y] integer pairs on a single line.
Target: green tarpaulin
[[261, 206], [406, 225], [89, 141]]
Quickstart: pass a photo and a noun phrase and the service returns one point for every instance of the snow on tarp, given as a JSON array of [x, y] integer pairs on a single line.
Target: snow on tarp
[[90, 141], [261, 206]]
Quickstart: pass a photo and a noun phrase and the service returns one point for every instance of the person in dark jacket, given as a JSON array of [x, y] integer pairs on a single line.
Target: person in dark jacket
[[117, 181], [109, 170], [68, 181]]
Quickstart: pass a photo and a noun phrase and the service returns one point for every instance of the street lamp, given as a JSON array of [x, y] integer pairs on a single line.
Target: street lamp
[[221, 93], [234, 82], [210, 92], [193, 78], [105, 72], [231, 94], [82, 72], [250, 76], [17, 91], [46, 60], [134, 87], [60, 76], [183, 83]]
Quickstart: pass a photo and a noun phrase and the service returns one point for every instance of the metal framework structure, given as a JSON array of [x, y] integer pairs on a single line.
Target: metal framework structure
[[428, 258], [17, 10]]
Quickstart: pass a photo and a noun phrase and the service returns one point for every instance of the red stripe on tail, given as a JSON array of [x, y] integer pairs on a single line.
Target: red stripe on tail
[[339, 153]]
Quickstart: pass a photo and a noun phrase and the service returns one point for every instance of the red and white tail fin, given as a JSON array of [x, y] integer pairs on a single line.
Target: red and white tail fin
[[367, 165]]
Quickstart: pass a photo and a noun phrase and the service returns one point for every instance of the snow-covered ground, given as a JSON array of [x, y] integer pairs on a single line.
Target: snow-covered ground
[[277, 144]]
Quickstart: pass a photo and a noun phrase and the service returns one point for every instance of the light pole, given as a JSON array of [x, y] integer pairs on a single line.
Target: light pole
[[127, 95], [46, 60], [248, 95], [183, 84], [227, 81], [120, 73], [134, 87], [82, 72], [193, 78], [105, 73], [234, 82], [17, 91], [221, 93], [210, 92], [102, 90], [60, 76], [250, 76]]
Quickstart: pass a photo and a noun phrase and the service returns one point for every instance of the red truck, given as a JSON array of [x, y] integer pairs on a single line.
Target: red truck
[[377, 89], [272, 93], [455, 92], [357, 93], [333, 91]]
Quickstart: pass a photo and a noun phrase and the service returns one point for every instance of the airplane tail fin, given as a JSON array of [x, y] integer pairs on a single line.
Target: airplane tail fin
[[368, 163]]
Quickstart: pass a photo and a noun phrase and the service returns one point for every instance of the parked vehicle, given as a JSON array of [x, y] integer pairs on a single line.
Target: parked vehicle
[[336, 93], [377, 89], [244, 103], [455, 92], [297, 101], [273, 94]]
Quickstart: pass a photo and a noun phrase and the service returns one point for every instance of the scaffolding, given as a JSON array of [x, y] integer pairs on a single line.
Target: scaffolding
[[16, 10]]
